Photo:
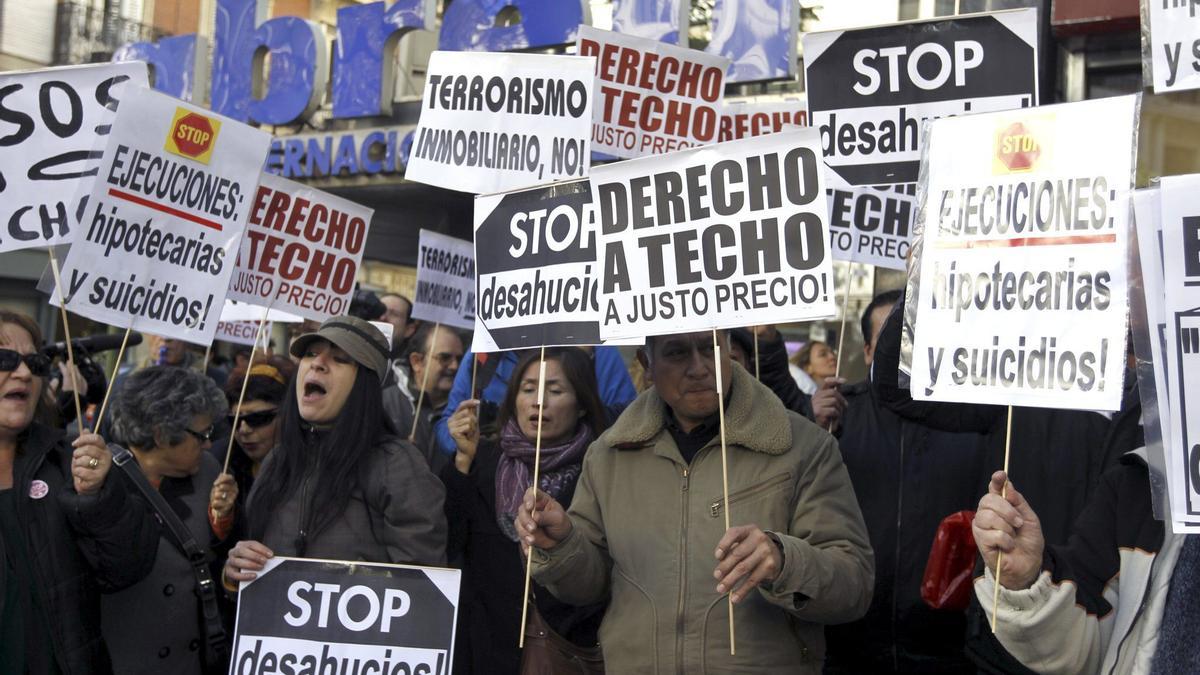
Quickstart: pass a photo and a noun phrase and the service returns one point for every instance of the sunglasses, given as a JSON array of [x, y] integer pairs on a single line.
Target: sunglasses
[[39, 364], [205, 436], [255, 420]]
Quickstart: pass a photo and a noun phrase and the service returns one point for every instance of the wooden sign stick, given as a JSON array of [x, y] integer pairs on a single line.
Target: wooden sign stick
[[537, 460]]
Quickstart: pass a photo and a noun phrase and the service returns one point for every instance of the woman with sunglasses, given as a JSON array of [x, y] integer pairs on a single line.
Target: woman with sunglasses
[[340, 484], [67, 530], [257, 433], [166, 415]]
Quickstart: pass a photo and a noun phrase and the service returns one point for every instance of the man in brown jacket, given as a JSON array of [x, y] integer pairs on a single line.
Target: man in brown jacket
[[646, 527]]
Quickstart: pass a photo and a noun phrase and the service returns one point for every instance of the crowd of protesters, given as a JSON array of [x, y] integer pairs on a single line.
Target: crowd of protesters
[[848, 502]]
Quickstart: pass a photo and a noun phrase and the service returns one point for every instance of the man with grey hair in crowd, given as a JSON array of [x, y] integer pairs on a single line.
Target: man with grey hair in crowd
[[646, 526]]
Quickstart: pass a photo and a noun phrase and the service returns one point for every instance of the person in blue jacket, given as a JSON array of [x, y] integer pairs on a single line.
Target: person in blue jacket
[[616, 389]]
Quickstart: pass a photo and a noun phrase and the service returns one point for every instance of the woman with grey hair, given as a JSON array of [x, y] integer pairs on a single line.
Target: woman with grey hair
[[166, 415]]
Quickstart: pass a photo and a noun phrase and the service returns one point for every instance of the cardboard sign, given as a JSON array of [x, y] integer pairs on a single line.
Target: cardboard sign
[[318, 616], [872, 225], [55, 123], [445, 281], [1174, 44], [652, 97], [1023, 292], [747, 120], [1181, 275], [726, 235], [539, 282], [493, 122], [870, 89], [157, 242], [301, 251]]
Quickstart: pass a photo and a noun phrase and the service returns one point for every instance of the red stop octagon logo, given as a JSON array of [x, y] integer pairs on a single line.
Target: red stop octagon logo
[[1017, 149], [192, 135]]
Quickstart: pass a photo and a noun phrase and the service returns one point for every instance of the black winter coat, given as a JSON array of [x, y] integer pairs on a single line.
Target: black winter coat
[[907, 478], [1056, 459], [494, 575], [79, 545]]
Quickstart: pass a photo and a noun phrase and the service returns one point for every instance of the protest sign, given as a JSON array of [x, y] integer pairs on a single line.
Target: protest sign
[[1174, 44], [324, 616], [493, 122], [166, 212], [1148, 224], [301, 250], [445, 281], [726, 235], [872, 225], [869, 89], [538, 276], [56, 122], [239, 332], [1181, 277], [241, 311], [746, 120], [652, 97], [1022, 295]]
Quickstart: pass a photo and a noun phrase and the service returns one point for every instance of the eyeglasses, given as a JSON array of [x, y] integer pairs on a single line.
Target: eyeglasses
[[39, 363], [205, 436], [255, 420]]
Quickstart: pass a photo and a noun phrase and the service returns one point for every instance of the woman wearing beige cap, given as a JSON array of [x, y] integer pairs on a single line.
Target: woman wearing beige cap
[[341, 484]]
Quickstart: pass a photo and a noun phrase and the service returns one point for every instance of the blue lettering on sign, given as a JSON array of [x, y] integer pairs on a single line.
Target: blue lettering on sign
[[758, 35]]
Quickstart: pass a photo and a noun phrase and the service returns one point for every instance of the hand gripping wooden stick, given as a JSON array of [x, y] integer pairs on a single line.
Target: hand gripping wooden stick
[[537, 460]]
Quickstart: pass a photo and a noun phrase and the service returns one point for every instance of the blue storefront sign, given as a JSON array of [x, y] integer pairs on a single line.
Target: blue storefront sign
[[759, 36]]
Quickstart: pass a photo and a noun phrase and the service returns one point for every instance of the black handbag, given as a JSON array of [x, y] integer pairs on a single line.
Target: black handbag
[[216, 645]]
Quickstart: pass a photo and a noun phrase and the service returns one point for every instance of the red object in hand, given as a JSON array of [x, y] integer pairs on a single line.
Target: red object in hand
[[948, 574]]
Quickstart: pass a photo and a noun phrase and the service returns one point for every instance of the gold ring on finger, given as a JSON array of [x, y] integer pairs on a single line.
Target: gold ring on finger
[[93, 463]]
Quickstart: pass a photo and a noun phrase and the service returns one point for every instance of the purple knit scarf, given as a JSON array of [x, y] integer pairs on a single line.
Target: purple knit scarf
[[514, 472]]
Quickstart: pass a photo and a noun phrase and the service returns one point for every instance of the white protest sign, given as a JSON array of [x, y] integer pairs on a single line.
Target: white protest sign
[[241, 311], [55, 124], [869, 89], [239, 332], [1174, 44], [493, 122], [872, 225], [445, 281], [302, 615], [158, 239], [1023, 292], [651, 97], [539, 282], [749, 119], [301, 251], [1181, 272], [726, 235], [1148, 222]]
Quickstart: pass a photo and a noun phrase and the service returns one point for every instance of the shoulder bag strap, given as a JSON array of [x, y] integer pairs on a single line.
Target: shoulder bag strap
[[197, 557]]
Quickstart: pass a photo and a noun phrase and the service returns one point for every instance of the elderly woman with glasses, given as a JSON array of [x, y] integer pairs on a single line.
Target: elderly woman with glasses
[[166, 416], [68, 530]]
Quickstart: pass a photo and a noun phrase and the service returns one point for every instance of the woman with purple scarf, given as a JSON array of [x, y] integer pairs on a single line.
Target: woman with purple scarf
[[484, 487]]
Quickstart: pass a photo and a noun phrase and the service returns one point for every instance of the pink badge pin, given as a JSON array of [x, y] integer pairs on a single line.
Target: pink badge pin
[[38, 489]]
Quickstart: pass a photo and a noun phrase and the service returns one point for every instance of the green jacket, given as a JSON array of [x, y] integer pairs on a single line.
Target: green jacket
[[646, 526]]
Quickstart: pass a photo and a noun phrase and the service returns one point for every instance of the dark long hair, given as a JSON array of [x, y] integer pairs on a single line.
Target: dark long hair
[[333, 461], [579, 371]]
